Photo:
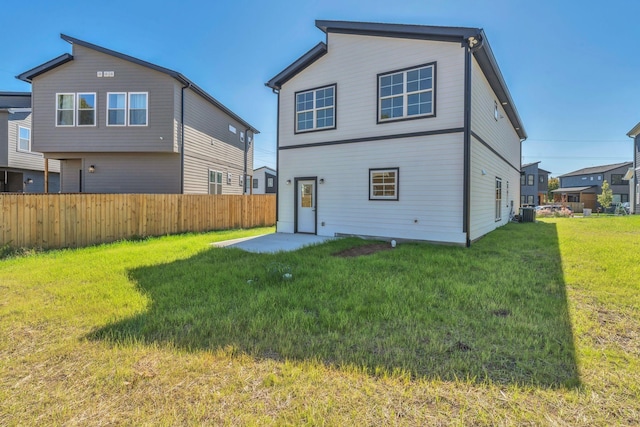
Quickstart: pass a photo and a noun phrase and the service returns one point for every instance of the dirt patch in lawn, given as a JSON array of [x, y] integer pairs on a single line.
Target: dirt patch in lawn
[[363, 250]]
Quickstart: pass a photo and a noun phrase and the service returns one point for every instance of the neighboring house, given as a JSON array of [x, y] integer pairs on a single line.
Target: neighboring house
[[264, 181], [534, 184], [584, 185], [396, 131], [21, 168], [634, 175], [122, 125]]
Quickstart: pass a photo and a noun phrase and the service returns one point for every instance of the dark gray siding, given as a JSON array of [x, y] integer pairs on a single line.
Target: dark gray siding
[[70, 171], [209, 144], [80, 75]]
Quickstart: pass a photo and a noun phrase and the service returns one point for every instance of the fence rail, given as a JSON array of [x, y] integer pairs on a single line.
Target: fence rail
[[76, 220]]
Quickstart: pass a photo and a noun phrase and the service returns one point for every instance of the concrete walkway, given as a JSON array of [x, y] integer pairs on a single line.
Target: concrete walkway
[[273, 242]]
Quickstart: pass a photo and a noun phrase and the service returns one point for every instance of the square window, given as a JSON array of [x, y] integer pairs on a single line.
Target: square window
[[383, 184], [315, 109], [406, 94]]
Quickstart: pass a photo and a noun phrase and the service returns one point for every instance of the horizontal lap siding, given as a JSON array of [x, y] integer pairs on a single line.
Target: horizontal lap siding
[[503, 139], [430, 202], [209, 144], [80, 75], [353, 63], [4, 134], [20, 159]]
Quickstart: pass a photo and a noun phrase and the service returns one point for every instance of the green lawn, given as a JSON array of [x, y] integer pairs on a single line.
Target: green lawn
[[534, 324]]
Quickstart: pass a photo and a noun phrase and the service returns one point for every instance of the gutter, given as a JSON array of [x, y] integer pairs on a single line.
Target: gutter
[[187, 86], [246, 146]]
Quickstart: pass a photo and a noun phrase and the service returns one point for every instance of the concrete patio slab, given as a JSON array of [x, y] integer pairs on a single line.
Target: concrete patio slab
[[273, 242]]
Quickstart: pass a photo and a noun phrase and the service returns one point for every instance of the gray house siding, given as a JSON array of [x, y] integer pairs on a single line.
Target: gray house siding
[[636, 164], [596, 179], [534, 183], [80, 76], [22, 171], [211, 145]]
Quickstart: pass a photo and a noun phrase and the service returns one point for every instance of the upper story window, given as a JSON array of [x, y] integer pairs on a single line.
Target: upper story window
[[315, 109], [86, 109], [255, 182], [522, 178], [116, 109], [138, 112], [406, 94], [383, 184], [541, 179], [530, 179], [616, 179], [65, 109], [24, 139]]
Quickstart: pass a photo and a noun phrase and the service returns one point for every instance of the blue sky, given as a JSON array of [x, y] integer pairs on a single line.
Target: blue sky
[[571, 67]]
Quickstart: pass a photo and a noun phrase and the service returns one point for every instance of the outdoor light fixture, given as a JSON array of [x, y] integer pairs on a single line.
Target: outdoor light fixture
[[484, 172], [29, 181], [321, 180], [288, 182], [472, 41], [92, 168]]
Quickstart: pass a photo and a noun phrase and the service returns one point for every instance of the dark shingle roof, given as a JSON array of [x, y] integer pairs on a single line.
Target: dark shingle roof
[[597, 169], [28, 76], [482, 52]]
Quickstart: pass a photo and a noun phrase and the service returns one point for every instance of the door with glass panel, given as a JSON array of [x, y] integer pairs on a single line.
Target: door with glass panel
[[306, 206]]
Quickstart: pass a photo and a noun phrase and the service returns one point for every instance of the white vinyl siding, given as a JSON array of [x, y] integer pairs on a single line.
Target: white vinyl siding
[[343, 203], [353, 63]]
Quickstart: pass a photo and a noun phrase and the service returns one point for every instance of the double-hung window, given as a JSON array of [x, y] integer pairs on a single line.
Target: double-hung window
[[215, 182], [138, 108], [383, 184], [406, 94], [24, 139], [116, 109], [86, 109], [316, 109], [65, 109]]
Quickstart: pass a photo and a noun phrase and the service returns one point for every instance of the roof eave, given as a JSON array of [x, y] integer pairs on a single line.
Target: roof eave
[[298, 65], [634, 132], [29, 75]]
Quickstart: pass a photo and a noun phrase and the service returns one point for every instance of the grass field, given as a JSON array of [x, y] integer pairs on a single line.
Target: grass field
[[535, 324]]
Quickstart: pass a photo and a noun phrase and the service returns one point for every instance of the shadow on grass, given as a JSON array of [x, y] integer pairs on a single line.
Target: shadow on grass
[[494, 312]]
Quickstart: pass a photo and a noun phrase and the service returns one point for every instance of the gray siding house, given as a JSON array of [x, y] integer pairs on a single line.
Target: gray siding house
[[534, 184], [584, 185], [634, 175], [21, 168], [122, 125]]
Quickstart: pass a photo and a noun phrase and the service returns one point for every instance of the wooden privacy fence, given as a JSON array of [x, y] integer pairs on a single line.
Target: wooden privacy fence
[[76, 220]]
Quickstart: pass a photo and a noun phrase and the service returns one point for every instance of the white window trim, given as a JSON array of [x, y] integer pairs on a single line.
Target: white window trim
[[315, 109], [217, 174], [405, 94], [146, 117], [73, 109], [396, 195], [94, 109], [19, 139], [126, 112], [498, 200]]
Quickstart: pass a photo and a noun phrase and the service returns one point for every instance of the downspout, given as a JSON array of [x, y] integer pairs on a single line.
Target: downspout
[[472, 44], [277, 92], [188, 85], [246, 146]]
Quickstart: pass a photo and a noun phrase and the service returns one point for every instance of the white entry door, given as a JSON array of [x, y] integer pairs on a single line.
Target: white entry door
[[306, 216]]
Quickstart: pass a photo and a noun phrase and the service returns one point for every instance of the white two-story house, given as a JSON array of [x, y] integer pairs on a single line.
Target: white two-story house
[[119, 124], [396, 131]]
